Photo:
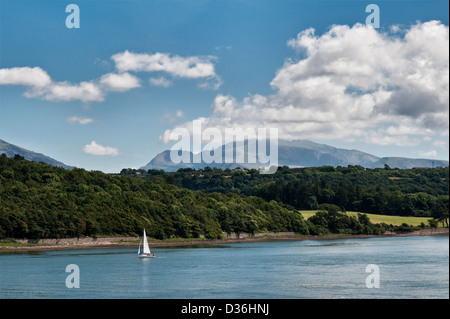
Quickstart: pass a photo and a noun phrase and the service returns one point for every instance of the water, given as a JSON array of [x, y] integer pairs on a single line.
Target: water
[[409, 267]]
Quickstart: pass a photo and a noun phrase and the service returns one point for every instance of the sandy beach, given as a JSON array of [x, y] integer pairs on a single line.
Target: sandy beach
[[113, 242]]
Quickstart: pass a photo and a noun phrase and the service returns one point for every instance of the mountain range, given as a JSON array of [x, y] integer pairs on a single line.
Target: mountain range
[[301, 153], [10, 150]]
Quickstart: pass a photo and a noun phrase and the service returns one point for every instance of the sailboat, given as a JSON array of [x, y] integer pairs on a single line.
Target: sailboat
[[145, 252]]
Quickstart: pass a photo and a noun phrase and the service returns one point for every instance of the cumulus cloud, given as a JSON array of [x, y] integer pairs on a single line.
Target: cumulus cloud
[[40, 85], [119, 82], [35, 77], [65, 91], [191, 67], [85, 91], [352, 83], [99, 150]]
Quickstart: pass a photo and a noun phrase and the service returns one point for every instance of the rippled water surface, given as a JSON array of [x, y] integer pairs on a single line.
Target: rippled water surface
[[409, 267]]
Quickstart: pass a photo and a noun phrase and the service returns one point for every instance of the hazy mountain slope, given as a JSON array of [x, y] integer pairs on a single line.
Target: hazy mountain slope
[[10, 150], [302, 153], [404, 162]]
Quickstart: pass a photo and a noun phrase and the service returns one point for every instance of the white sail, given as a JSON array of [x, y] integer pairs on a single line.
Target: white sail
[[139, 249], [146, 248]]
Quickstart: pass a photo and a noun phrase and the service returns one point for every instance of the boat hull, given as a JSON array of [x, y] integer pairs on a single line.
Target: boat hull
[[146, 256]]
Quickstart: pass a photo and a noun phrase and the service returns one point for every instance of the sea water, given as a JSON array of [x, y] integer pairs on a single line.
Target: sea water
[[385, 268]]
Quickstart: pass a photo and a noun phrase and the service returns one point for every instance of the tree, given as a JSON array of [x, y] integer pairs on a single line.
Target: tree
[[440, 210], [433, 223]]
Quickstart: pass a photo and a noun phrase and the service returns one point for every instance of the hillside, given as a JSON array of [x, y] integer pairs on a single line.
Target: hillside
[[41, 201], [38, 200], [401, 192], [10, 150]]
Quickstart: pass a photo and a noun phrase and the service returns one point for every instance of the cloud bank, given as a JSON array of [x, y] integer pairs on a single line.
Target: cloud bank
[[40, 85], [354, 84]]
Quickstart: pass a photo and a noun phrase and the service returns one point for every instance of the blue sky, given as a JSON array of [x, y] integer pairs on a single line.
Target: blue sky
[[100, 114]]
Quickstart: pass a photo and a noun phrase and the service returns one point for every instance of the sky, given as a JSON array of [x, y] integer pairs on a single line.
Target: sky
[[106, 95]]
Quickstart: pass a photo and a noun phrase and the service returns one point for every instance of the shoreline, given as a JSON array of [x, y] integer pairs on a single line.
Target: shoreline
[[123, 242]]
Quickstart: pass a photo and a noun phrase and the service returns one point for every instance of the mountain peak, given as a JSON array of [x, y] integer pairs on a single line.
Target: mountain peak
[[302, 153]]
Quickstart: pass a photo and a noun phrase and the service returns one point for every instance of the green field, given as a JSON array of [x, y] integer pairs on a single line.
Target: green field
[[376, 219]]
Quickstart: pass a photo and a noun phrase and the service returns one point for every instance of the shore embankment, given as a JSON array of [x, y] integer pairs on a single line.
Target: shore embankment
[[113, 242]]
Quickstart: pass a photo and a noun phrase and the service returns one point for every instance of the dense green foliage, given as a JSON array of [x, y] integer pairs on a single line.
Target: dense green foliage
[[401, 192], [41, 201], [335, 221]]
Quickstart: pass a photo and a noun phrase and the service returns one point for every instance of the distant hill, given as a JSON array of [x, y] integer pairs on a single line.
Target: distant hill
[[10, 150], [404, 162], [303, 153]]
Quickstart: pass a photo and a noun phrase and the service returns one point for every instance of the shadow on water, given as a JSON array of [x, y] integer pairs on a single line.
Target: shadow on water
[[28, 252]]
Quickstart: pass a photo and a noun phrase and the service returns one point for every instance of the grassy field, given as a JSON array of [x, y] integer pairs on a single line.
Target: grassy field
[[376, 219]]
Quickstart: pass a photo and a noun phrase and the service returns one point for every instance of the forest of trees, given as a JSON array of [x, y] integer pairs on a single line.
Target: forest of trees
[[41, 201], [401, 192]]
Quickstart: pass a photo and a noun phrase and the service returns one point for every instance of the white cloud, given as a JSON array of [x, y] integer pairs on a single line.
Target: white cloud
[[35, 77], [191, 67], [119, 82], [353, 83], [187, 67], [64, 91], [99, 150], [40, 85], [80, 120], [161, 81]]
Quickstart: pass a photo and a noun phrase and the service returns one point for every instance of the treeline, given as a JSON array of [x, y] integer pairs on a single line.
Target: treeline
[[401, 192], [41, 201]]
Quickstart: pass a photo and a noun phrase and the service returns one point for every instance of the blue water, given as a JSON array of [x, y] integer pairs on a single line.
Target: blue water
[[409, 267]]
